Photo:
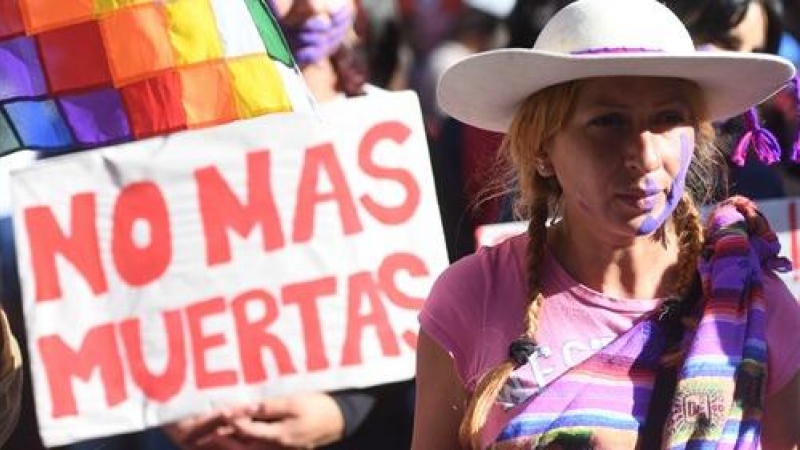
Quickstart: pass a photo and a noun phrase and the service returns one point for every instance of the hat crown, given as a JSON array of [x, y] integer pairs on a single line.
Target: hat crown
[[609, 25]]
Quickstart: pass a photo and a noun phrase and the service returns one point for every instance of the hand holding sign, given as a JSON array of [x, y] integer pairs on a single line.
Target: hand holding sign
[[300, 421]]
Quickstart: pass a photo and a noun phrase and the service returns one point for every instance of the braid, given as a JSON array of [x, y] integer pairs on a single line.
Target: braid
[[539, 118], [493, 381], [690, 241], [486, 393], [537, 236]]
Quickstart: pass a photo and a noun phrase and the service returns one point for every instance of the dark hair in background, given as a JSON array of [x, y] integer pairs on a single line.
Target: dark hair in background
[[351, 60], [791, 17], [710, 20], [527, 19], [473, 20], [351, 67], [383, 51]]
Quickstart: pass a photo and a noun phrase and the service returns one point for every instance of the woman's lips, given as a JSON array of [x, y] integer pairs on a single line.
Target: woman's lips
[[641, 200]]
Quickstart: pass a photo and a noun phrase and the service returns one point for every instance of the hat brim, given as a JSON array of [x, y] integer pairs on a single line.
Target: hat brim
[[485, 90]]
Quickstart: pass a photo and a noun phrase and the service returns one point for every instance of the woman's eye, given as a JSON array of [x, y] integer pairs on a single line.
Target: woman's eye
[[669, 119], [609, 121]]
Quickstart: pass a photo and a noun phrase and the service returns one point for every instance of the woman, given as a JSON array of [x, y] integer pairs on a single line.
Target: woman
[[617, 321], [321, 36]]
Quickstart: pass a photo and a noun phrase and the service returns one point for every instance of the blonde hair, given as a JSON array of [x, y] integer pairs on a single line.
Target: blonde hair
[[540, 117], [10, 380]]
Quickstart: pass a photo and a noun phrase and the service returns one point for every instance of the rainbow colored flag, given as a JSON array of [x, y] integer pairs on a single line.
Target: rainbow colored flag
[[79, 74]]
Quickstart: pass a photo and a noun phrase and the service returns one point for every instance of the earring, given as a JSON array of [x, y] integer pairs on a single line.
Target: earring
[[543, 169]]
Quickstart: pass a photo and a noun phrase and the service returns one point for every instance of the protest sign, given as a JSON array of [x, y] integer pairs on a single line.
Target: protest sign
[[172, 276], [783, 215]]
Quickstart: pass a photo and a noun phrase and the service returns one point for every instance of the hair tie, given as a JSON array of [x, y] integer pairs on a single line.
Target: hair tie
[[670, 309], [796, 99], [521, 350], [764, 143]]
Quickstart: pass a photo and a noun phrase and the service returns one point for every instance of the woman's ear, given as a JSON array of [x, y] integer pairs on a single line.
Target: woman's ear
[[544, 168]]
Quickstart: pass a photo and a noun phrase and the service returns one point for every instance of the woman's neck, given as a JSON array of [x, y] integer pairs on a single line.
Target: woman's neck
[[321, 79], [643, 268]]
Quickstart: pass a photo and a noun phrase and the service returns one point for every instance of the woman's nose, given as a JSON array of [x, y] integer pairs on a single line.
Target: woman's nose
[[311, 7], [644, 153]]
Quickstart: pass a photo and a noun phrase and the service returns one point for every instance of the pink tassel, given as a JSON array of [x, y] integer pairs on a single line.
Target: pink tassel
[[763, 141], [796, 99]]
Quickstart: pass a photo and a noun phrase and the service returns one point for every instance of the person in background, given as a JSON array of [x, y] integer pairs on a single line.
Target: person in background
[[617, 320], [320, 33], [743, 26], [322, 36], [424, 25], [480, 27], [17, 425], [383, 44]]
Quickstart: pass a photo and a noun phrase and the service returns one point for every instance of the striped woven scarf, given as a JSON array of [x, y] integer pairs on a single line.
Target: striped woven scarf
[[619, 397]]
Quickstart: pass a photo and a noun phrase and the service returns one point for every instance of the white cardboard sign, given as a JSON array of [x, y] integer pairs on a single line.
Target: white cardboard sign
[[171, 276]]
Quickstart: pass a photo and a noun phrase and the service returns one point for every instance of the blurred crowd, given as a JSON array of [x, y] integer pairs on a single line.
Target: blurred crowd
[[407, 44]]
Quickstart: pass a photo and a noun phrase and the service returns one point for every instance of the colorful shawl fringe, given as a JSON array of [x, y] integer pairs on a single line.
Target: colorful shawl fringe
[[715, 397]]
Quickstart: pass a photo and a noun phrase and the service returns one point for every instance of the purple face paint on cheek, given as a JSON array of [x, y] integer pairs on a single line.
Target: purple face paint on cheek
[[652, 223]]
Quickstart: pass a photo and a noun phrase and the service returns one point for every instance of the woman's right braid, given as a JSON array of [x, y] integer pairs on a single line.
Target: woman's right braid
[[537, 239], [492, 382], [690, 243]]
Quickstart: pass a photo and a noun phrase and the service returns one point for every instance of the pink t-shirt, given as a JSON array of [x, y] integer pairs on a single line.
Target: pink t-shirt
[[475, 310]]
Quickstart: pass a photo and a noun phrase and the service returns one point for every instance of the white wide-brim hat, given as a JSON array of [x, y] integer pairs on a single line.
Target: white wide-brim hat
[[598, 38]]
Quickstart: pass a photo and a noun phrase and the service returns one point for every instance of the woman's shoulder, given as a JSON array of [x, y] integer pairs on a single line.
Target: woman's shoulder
[[462, 313], [780, 301], [778, 295], [489, 264], [460, 297], [783, 341]]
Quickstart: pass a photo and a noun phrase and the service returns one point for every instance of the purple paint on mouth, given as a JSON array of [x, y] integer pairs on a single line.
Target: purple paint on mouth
[[650, 190], [650, 223], [317, 38], [651, 187]]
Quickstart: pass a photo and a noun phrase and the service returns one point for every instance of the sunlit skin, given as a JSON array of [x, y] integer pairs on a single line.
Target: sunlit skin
[[621, 164]]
